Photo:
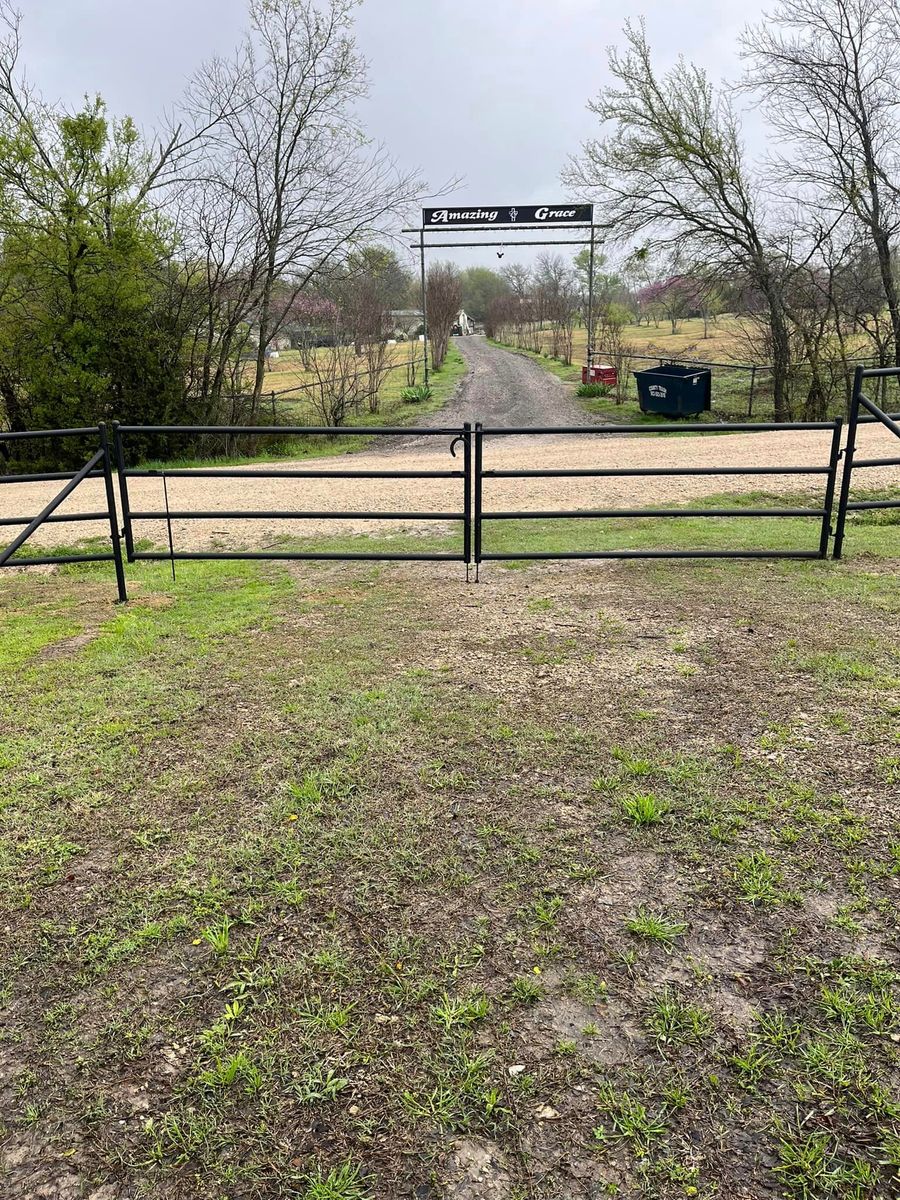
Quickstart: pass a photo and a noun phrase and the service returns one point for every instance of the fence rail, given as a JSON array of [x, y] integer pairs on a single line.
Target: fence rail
[[98, 465], [469, 476], [873, 413]]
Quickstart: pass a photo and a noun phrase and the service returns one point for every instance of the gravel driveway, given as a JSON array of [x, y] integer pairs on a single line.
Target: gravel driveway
[[503, 390]]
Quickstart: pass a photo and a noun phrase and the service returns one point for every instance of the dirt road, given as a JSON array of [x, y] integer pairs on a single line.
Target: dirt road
[[506, 390], [503, 390]]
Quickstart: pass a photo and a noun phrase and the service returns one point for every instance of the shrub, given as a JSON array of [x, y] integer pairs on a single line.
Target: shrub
[[417, 394], [593, 389]]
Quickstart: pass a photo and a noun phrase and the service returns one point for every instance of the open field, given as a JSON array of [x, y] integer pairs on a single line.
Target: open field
[[341, 883], [290, 382], [724, 343]]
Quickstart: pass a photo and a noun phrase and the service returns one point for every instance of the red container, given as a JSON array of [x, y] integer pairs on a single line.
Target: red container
[[600, 373]]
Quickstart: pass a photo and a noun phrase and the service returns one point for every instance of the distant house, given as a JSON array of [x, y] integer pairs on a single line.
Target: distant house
[[464, 324], [406, 322]]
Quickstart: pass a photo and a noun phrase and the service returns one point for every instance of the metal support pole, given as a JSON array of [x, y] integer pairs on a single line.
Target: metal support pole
[[833, 460], [113, 515], [849, 451], [479, 466], [590, 314], [424, 302], [752, 387], [467, 498], [123, 492], [169, 524]]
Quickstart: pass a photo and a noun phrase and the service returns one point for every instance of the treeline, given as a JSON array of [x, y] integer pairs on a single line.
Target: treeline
[[807, 237], [150, 280]]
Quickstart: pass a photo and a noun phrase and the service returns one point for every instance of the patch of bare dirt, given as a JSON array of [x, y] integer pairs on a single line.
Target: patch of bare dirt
[[477, 1170]]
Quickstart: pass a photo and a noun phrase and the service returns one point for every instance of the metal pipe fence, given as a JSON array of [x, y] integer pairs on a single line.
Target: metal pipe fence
[[873, 413], [99, 465], [822, 514], [466, 480]]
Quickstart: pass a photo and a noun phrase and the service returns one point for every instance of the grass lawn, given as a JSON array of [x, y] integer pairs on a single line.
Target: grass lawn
[[286, 374], [342, 882]]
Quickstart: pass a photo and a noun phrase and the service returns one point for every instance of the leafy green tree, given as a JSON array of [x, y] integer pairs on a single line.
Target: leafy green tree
[[86, 328], [94, 307], [480, 286]]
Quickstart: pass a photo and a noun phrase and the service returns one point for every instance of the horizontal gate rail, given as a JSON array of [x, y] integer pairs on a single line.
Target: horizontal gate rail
[[462, 515], [58, 517], [872, 415], [99, 465], [250, 473], [615, 472], [46, 477], [655, 430], [299, 556], [604, 513], [292, 515], [297, 430], [821, 512]]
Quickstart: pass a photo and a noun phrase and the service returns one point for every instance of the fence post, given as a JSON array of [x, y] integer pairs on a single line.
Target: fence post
[[467, 494], [113, 514], [752, 388], [479, 464], [123, 492], [848, 464], [833, 460]]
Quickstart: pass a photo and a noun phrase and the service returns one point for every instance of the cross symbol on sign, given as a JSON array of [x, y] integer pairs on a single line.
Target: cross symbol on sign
[[513, 213]]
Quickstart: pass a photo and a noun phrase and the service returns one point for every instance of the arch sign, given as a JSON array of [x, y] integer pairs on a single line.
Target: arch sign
[[523, 214], [507, 219]]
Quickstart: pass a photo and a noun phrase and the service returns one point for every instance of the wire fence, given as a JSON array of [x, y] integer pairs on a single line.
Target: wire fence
[[271, 396], [741, 391], [745, 391]]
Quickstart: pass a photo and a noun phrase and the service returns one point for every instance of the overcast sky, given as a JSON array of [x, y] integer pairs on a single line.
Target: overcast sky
[[493, 92]]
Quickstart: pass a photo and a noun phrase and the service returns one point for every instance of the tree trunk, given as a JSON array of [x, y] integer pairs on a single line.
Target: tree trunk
[[781, 358], [885, 267]]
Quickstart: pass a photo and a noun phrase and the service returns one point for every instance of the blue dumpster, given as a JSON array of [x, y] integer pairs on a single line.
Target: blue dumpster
[[674, 391]]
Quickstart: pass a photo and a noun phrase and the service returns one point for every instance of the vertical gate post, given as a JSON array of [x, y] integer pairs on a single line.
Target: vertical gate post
[[467, 494], [590, 311], [113, 514], [848, 464], [424, 300], [833, 460], [123, 492], [479, 464]]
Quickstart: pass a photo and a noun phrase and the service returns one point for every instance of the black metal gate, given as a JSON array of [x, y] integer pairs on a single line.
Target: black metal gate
[[872, 415], [828, 470], [462, 514], [468, 483]]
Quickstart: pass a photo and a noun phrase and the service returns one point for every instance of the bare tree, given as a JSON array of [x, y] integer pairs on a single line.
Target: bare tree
[[444, 296], [291, 150], [337, 383], [556, 283], [611, 344], [672, 172], [829, 75]]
